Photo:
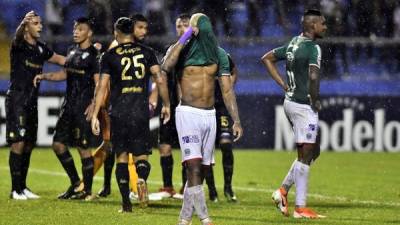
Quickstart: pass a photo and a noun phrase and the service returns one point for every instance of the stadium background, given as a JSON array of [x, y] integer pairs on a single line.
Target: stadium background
[[360, 84]]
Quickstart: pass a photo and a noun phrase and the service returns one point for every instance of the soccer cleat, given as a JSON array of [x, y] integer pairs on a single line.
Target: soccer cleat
[[133, 196], [29, 194], [177, 196], [166, 192], [306, 213], [213, 195], [143, 195], [104, 192], [229, 194], [18, 196], [279, 197], [206, 221], [68, 193], [184, 222], [126, 208]]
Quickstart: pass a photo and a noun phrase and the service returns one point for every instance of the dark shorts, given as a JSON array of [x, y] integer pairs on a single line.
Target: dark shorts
[[73, 130], [21, 118], [168, 134], [128, 135], [224, 124]]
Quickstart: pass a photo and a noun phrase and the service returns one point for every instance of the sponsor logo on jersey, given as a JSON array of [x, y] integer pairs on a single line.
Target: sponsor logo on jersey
[[191, 139], [84, 55]]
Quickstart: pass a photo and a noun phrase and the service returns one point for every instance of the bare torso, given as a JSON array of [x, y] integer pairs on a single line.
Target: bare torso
[[197, 86]]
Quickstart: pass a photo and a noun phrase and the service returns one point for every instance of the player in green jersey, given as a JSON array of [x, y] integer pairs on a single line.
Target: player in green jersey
[[301, 106]]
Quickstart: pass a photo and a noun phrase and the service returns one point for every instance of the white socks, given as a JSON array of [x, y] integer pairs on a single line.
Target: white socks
[[289, 179], [301, 172], [194, 200]]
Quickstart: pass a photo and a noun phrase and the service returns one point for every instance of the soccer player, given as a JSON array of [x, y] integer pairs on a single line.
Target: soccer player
[[195, 115], [168, 136], [224, 141], [104, 153], [126, 68], [302, 103], [82, 73], [27, 57]]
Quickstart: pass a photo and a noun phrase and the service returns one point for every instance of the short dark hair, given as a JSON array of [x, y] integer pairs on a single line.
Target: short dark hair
[[138, 17], [124, 25], [184, 16], [312, 12], [85, 20]]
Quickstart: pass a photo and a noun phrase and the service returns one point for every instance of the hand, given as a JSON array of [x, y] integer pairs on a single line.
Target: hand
[[285, 87], [186, 36], [316, 106], [37, 79], [89, 111], [237, 131], [95, 125], [165, 114], [28, 17]]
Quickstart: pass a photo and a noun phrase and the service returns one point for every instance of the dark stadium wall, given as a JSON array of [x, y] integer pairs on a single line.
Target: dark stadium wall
[[347, 123]]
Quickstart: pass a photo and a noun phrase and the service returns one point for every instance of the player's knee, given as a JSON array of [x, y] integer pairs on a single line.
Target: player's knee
[[17, 147], [122, 157], [165, 150], [143, 168], [59, 148]]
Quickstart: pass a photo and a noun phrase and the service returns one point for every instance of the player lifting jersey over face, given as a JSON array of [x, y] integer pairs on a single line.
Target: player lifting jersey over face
[[195, 116]]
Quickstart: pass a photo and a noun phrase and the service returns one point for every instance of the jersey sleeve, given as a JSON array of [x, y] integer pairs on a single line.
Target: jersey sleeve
[[105, 67], [231, 63], [315, 56], [47, 52], [151, 58], [280, 52], [223, 63]]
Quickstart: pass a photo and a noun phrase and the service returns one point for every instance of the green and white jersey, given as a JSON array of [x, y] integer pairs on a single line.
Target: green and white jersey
[[300, 53]]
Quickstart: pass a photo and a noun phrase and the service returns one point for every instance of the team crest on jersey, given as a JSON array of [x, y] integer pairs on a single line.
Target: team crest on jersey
[[289, 56], [84, 55], [312, 127], [40, 49], [187, 152]]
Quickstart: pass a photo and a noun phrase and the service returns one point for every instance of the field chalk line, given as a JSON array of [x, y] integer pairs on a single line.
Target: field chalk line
[[248, 189]]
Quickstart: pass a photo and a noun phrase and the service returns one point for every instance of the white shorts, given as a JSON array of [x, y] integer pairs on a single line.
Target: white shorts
[[304, 121], [196, 132]]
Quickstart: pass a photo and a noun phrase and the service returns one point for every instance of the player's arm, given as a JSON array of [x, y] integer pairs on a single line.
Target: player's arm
[[153, 98], [101, 92], [53, 76], [229, 97], [57, 59], [314, 87], [161, 81], [313, 76], [172, 56], [269, 60], [19, 33]]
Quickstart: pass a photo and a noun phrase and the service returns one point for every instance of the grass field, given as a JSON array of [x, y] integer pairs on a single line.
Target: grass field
[[349, 188]]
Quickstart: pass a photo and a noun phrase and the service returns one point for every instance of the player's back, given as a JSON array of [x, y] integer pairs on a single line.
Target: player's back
[[128, 65], [301, 52]]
